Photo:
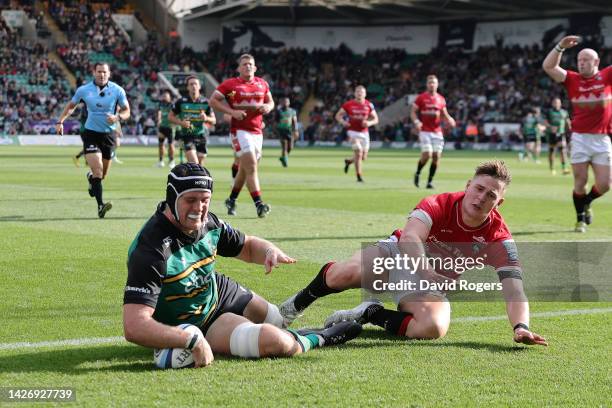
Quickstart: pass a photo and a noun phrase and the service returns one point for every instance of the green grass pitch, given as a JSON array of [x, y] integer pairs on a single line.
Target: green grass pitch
[[63, 272]]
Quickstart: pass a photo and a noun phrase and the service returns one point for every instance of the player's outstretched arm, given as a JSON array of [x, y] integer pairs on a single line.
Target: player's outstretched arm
[[553, 59], [517, 308], [258, 250], [140, 328]]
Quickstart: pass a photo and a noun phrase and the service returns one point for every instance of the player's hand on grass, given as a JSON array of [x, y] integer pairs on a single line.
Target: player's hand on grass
[[202, 353], [527, 337], [274, 257], [570, 41], [239, 114]]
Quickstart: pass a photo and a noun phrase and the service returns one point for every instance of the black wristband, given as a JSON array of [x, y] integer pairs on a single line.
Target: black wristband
[[521, 325]]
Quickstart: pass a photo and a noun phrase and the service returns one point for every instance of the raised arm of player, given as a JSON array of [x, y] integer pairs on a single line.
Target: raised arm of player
[[140, 328], [258, 250], [414, 117], [68, 109], [517, 308], [340, 115], [448, 118], [553, 59]]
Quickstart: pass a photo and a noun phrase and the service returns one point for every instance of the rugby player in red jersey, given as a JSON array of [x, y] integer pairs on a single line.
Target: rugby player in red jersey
[[590, 92], [428, 110], [246, 99], [357, 115], [459, 225]]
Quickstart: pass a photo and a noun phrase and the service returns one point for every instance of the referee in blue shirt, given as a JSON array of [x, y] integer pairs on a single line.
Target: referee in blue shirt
[[106, 103]]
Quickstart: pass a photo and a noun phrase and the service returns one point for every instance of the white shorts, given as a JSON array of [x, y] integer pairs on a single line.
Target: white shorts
[[359, 139], [431, 141], [585, 147], [243, 142]]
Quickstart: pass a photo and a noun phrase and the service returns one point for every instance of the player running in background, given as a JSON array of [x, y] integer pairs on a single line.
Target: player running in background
[[165, 132], [557, 122], [428, 110], [357, 115], [531, 129], [106, 104], [590, 92], [461, 225], [246, 99], [286, 127], [194, 115]]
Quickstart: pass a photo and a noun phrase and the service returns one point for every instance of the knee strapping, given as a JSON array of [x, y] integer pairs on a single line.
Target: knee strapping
[[273, 316], [244, 340]]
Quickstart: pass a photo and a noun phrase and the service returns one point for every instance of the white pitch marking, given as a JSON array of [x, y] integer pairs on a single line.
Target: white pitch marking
[[94, 341]]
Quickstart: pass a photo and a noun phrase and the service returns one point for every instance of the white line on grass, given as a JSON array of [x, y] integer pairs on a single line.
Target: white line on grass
[[94, 341]]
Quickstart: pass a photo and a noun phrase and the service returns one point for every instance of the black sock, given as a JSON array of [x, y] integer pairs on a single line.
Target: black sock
[[420, 167], [315, 289], [96, 187], [432, 172], [579, 203], [234, 194], [392, 321], [593, 194], [256, 196]]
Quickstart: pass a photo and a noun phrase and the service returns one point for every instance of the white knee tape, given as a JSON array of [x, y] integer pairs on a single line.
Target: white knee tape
[[244, 340], [274, 317]]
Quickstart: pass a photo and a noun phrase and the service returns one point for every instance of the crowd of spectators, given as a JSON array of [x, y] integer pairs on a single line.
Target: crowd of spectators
[[491, 84]]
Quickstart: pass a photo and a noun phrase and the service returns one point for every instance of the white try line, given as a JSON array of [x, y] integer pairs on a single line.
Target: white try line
[[94, 341]]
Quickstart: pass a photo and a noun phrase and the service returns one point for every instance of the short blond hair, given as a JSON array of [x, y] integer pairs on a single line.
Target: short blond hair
[[496, 169], [245, 56]]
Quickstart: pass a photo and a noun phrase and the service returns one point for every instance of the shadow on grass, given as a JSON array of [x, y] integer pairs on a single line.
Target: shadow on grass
[[384, 339], [80, 360]]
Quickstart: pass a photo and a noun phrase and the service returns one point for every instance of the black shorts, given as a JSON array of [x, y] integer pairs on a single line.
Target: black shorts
[[233, 298], [284, 134], [166, 133], [197, 143], [556, 138], [94, 142]]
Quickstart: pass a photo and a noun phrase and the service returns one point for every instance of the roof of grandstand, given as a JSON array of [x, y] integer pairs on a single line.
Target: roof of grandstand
[[381, 11]]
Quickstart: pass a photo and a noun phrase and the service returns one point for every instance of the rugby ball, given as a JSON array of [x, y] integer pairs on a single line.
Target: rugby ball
[[176, 357]]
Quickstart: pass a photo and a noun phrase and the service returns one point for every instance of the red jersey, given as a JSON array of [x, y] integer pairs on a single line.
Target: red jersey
[[430, 111], [450, 237], [246, 96], [357, 113], [591, 101]]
